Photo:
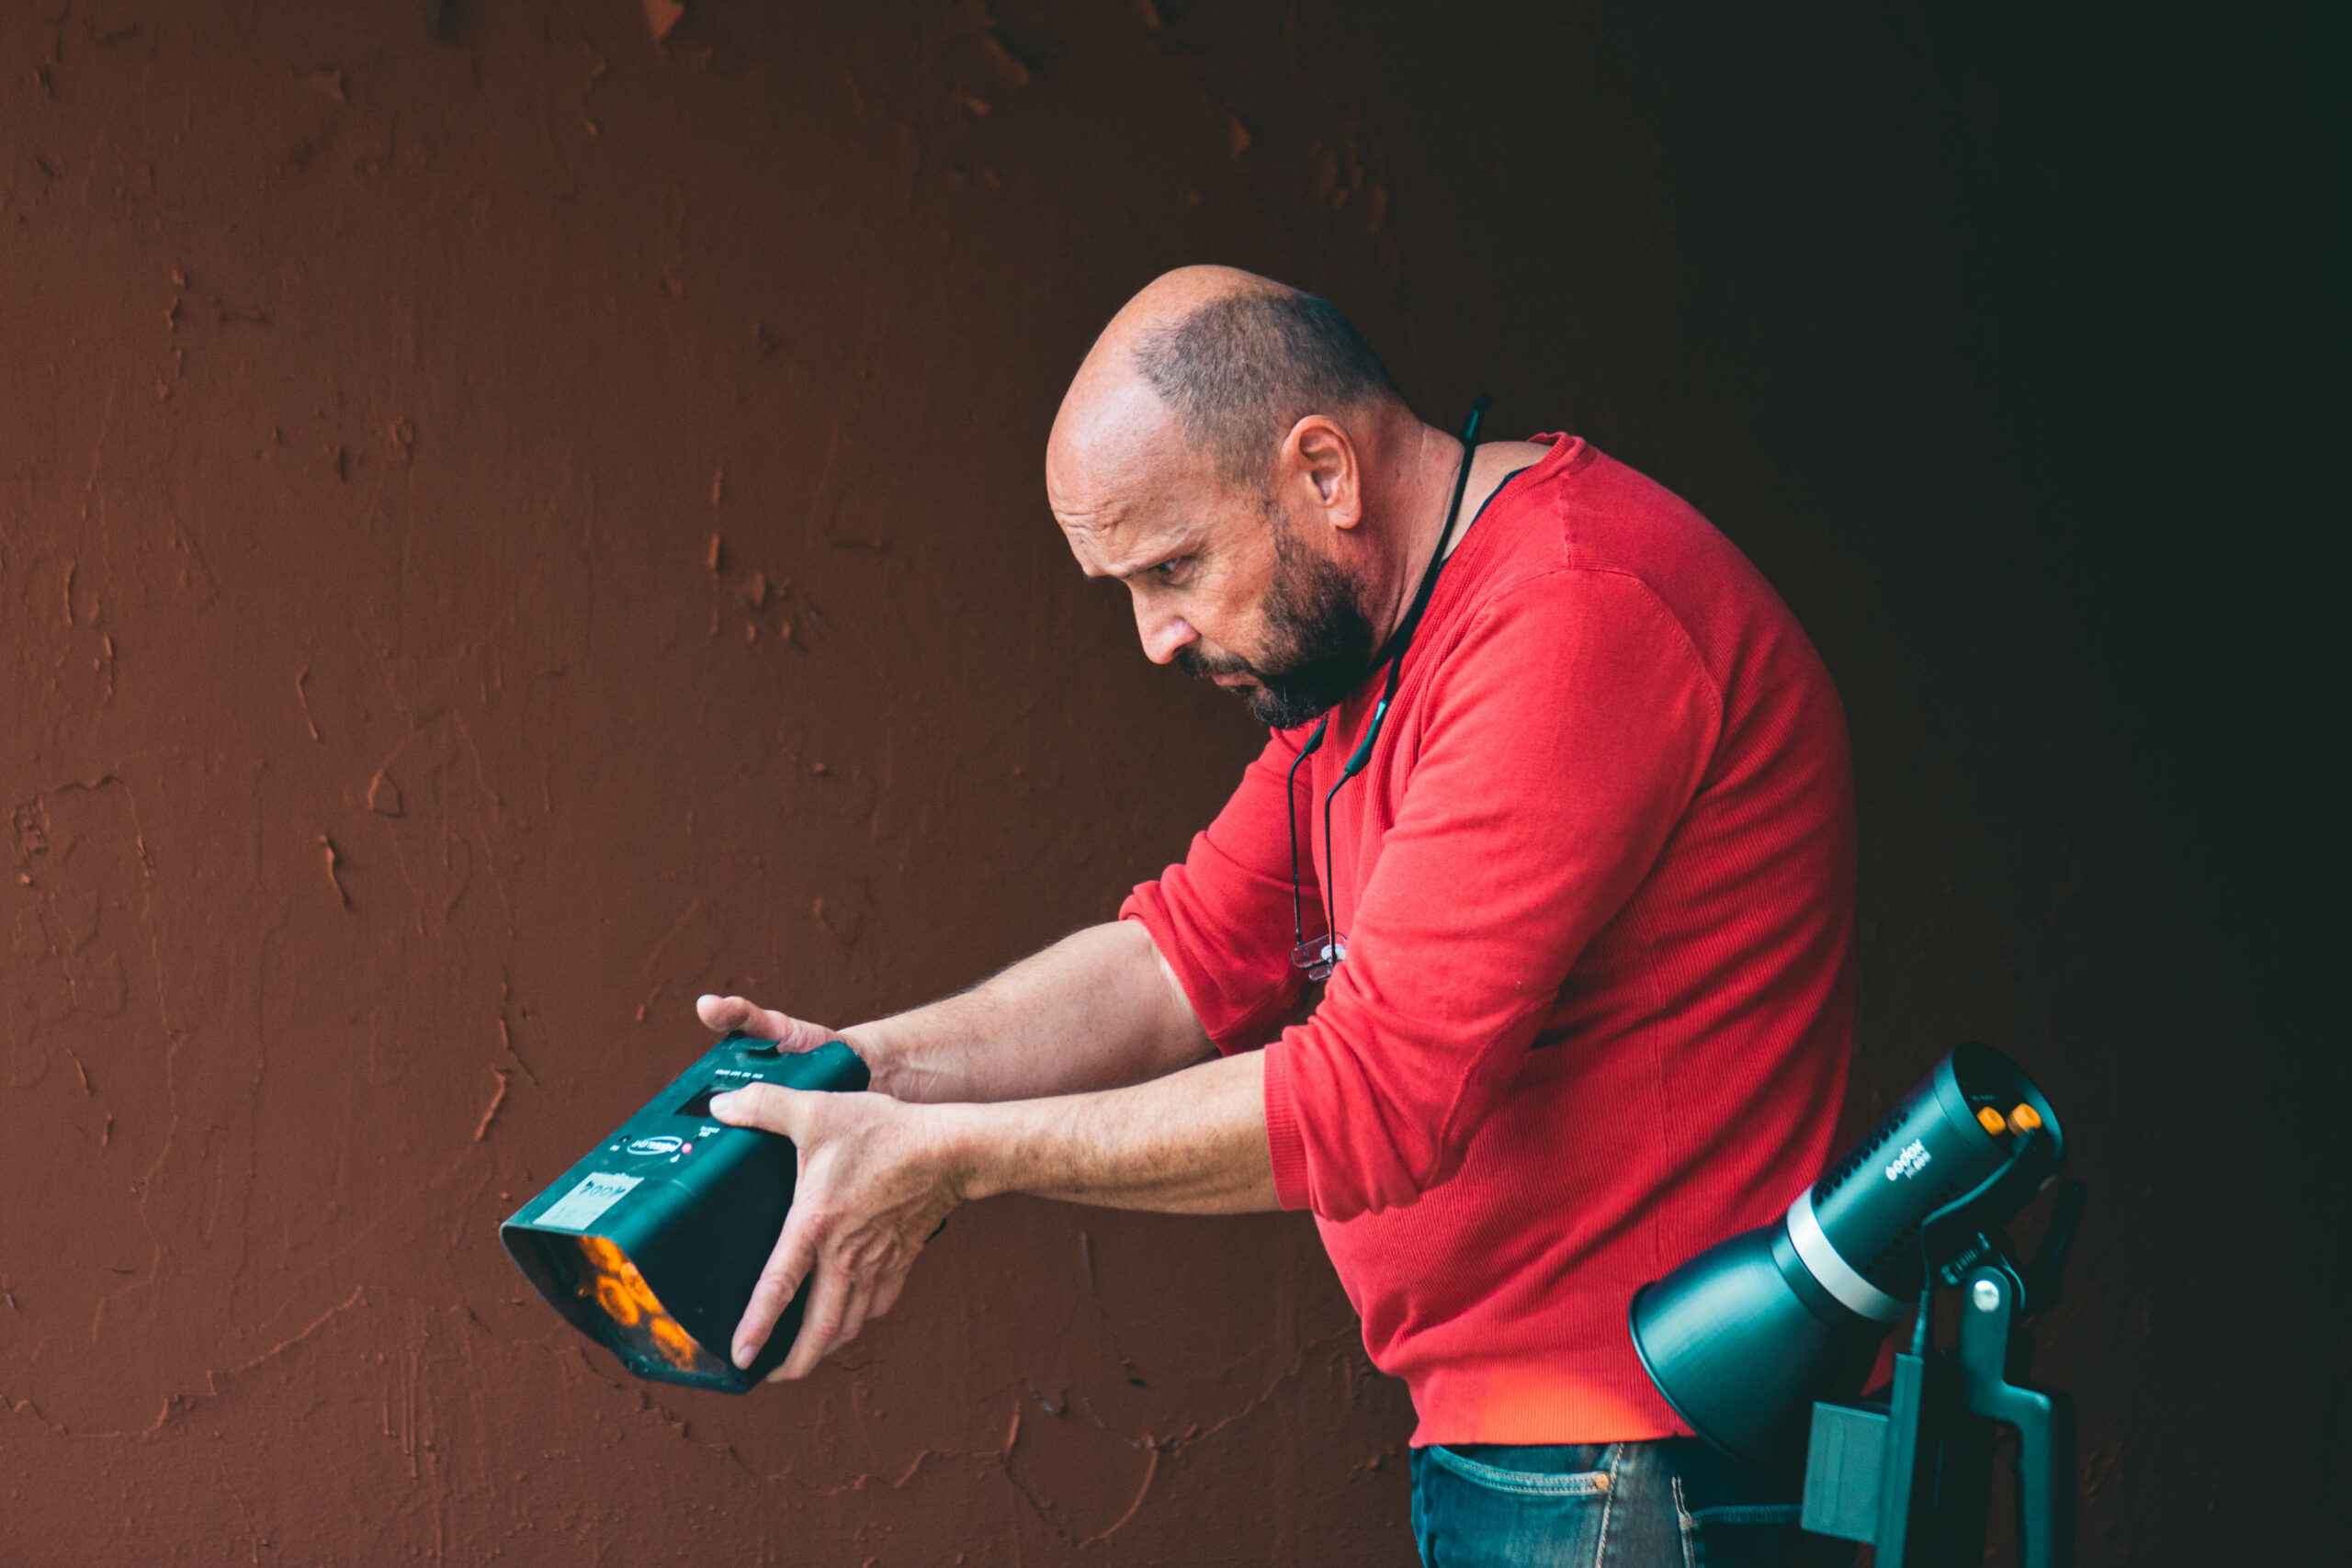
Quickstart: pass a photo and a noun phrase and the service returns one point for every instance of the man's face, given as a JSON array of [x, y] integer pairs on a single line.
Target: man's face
[[1227, 586], [1315, 642]]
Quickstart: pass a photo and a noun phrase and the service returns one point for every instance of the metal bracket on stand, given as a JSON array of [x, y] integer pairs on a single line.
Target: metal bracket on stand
[[1912, 1476]]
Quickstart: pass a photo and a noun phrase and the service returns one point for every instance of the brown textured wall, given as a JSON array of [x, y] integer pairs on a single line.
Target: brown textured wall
[[504, 525]]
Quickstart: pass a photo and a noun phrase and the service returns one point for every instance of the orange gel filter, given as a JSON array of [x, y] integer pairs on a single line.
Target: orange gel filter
[[620, 1292]]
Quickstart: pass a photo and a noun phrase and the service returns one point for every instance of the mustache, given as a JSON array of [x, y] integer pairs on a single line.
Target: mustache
[[1201, 667]]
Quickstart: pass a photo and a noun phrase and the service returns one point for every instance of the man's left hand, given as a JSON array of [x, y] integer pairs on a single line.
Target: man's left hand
[[877, 1178]]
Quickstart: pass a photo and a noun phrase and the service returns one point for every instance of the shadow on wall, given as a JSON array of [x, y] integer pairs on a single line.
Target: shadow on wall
[[506, 523]]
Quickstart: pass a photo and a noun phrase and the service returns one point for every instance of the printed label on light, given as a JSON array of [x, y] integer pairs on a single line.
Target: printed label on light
[[579, 1209], [1910, 1162]]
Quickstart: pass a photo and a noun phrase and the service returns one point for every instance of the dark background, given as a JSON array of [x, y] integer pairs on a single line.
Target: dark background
[[505, 525]]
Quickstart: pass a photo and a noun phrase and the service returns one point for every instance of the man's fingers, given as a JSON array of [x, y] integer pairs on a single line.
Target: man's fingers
[[885, 1292], [832, 1299], [862, 1198], [794, 1255], [724, 1013]]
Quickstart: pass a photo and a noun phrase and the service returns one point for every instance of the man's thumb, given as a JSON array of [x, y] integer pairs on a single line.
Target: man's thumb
[[763, 1105]]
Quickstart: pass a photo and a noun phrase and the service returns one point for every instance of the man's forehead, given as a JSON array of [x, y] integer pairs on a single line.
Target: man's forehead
[[1120, 541], [1118, 477], [1111, 424]]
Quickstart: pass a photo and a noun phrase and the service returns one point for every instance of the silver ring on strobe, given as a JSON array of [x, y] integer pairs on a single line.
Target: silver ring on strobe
[[1836, 1276]]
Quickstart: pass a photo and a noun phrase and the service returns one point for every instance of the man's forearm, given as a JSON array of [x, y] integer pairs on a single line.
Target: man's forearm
[[1097, 1010], [878, 1175], [1191, 1143]]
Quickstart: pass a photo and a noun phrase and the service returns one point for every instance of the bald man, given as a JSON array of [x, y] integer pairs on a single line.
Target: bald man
[[1557, 807]]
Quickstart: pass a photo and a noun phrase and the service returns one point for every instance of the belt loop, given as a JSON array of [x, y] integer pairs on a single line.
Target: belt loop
[[1607, 1504]]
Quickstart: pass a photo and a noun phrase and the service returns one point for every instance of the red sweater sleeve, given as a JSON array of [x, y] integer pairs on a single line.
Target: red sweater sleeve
[[1560, 740], [1222, 918]]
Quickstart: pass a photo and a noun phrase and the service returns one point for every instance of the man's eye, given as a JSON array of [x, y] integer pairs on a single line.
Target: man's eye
[[1172, 571]]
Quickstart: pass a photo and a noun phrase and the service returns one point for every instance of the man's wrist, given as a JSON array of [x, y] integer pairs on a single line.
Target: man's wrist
[[871, 1044], [970, 1145]]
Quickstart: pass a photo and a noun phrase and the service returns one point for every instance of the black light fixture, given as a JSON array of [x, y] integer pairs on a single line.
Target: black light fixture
[[1755, 1341]]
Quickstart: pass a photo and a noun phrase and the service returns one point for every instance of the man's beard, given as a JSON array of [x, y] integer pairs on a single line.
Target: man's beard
[[1319, 642]]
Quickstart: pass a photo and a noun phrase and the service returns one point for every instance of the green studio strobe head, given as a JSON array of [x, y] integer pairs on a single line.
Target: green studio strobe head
[[1743, 1338], [651, 1244]]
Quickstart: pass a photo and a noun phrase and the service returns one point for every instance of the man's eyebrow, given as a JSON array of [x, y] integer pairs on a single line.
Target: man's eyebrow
[[1178, 553]]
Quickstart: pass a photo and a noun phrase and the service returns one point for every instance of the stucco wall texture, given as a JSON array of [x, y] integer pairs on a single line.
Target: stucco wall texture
[[508, 521]]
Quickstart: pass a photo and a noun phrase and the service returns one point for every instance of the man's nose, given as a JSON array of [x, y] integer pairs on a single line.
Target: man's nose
[[1163, 631]]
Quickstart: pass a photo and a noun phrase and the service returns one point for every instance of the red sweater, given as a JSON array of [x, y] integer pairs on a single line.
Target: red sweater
[[1598, 886]]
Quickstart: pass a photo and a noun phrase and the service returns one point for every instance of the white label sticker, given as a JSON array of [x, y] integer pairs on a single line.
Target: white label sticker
[[578, 1208]]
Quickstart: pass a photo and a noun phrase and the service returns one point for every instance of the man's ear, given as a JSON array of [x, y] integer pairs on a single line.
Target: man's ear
[[1319, 456]]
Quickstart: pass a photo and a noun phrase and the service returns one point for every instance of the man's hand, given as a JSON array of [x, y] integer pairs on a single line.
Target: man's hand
[[985, 1093], [877, 1178], [726, 1013]]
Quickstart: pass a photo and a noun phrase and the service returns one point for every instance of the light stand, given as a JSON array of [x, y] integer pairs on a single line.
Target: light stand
[[1759, 1342], [1912, 1475]]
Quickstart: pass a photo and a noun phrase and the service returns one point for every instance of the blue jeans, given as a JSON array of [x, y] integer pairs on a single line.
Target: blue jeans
[[1673, 1503]]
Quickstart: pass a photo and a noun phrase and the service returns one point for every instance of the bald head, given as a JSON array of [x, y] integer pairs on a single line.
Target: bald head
[[1230, 359], [1219, 454]]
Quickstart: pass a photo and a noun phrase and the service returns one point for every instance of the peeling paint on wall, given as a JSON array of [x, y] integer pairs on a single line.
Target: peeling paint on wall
[[504, 528], [511, 516]]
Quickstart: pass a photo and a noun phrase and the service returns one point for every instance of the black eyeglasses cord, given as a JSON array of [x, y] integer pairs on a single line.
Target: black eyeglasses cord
[[1398, 643]]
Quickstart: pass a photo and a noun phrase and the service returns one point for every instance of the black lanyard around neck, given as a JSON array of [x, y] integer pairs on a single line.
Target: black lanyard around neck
[[1320, 956]]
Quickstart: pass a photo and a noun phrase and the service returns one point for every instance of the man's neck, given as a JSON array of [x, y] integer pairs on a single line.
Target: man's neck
[[1423, 493]]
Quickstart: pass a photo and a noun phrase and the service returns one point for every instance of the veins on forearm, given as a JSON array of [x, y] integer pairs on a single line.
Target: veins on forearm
[[1192, 1143], [1095, 1010]]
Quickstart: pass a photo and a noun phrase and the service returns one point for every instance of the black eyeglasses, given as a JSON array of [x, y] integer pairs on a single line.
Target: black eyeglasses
[[1326, 953]]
